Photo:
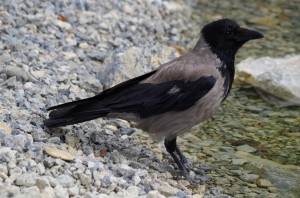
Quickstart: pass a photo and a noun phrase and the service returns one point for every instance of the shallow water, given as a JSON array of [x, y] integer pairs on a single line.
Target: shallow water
[[245, 118]]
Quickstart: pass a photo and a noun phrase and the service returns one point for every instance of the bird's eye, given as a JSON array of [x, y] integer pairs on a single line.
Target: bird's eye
[[229, 29]]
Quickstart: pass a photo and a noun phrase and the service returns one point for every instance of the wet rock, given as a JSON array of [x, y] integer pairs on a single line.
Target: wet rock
[[238, 161], [246, 148], [249, 177], [263, 183], [276, 79], [283, 177]]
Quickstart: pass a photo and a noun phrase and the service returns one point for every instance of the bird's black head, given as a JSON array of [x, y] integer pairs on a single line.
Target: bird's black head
[[225, 36]]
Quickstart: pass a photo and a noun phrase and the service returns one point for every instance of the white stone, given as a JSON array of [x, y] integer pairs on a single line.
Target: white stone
[[133, 191], [277, 79], [154, 194], [40, 168], [48, 193], [134, 61], [60, 192]]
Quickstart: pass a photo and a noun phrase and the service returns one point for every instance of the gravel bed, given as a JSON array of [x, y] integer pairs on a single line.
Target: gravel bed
[[53, 52]]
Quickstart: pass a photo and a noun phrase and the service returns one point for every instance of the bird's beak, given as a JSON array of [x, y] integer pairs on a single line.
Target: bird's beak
[[246, 35]]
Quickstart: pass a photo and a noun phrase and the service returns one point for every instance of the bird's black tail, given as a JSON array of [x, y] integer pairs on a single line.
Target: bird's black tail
[[114, 99], [74, 112]]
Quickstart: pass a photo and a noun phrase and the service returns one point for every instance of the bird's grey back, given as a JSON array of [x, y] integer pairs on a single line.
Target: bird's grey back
[[197, 63]]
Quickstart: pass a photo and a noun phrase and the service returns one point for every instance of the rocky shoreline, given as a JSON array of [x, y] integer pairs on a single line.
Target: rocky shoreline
[[53, 52]]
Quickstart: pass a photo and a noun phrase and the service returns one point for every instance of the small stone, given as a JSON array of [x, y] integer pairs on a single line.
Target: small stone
[[91, 164], [181, 194], [3, 176], [167, 190], [216, 190], [42, 183], [265, 21], [133, 191], [263, 183], [222, 180], [40, 168], [111, 127], [84, 45], [3, 168], [20, 73], [154, 194], [272, 189], [99, 56], [246, 148], [32, 191], [227, 149], [106, 181], [85, 179], [62, 24], [54, 140], [125, 170], [103, 151], [48, 193], [238, 161], [249, 177], [26, 179], [48, 162], [252, 185], [66, 181], [136, 180], [73, 191], [5, 128], [59, 154], [236, 172], [53, 182], [60, 192]]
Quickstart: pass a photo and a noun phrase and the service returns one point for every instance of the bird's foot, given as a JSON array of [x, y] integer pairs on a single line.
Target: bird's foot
[[195, 177], [183, 164]]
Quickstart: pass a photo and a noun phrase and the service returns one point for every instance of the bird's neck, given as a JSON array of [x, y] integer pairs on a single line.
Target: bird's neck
[[226, 57]]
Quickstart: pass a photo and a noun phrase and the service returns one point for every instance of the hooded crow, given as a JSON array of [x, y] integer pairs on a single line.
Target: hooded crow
[[170, 100]]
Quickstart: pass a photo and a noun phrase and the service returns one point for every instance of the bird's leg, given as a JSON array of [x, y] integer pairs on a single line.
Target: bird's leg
[[180, 154], [173, 148]]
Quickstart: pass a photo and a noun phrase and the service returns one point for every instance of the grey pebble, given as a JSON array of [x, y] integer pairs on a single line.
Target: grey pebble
[[40, 168], [249, 177], [66, 181], [106, 181], [26, 179], [85, 179], [42, 183]]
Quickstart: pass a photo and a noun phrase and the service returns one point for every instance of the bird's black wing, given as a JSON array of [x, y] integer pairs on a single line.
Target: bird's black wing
[[151, 99], [144, 99], [103, 94]]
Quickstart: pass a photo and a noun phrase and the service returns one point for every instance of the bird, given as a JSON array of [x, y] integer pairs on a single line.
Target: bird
[[168, 101]]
